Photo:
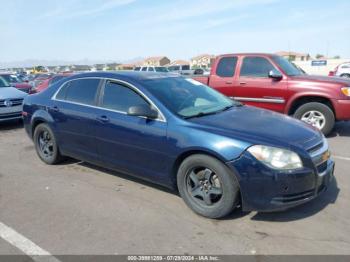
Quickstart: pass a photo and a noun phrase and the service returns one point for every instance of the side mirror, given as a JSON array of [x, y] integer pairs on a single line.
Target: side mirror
[[275, 74], [143, 111]]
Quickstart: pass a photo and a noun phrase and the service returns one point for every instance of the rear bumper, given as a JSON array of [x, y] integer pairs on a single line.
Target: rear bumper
[[264, 189], [342, 109]]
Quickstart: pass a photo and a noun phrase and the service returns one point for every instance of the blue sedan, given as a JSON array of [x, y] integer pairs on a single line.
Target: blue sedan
[[176, 132]]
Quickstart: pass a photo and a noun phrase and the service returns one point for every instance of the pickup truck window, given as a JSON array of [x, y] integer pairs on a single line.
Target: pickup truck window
[[226, 66], [256, 67]]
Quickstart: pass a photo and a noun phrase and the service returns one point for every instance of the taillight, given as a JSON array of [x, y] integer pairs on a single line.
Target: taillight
[[331, 73]]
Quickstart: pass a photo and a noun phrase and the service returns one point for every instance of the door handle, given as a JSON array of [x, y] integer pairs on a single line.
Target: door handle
[[55, 109], [103, 119], [242, 83], [228, 83]]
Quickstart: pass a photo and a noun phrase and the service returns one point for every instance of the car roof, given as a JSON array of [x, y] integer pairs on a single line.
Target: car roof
[[126, 75], [250, 54]]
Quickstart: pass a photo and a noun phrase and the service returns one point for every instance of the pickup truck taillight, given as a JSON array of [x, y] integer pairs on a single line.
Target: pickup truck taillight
[[331, 73]]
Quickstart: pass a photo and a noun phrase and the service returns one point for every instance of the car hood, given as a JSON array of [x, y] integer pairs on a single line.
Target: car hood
[[323, 79], [257, 126], [11, 93]]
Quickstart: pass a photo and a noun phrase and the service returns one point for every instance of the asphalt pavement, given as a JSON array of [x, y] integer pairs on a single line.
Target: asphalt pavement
[[77, 208]]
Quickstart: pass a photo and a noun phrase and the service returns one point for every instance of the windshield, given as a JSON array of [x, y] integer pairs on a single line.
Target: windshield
[[161, 69], [3, 82], [288, 68], [188, 98], [11, 78]]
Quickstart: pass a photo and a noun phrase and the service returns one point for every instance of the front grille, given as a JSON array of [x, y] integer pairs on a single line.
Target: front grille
[[10, 115], [14, 102]]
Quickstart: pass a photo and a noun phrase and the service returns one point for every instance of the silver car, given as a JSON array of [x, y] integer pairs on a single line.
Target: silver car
[[11, 101]]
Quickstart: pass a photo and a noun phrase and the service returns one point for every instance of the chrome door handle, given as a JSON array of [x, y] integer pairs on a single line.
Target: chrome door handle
[[103, 119], [55, 109]]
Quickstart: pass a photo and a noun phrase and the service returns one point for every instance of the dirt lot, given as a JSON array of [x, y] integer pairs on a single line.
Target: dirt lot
[[76, 208]]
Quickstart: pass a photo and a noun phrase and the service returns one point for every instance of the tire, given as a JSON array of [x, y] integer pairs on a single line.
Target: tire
[[320, 111], [345, 75], [54, 156], [221, 179]]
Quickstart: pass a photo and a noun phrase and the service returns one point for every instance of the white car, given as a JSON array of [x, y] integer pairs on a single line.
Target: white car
[[158, 69], [11, 101], [343, 70]]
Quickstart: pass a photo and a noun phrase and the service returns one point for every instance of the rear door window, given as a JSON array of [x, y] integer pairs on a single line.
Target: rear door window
[[256, 67], [226, 66], [82, 91]]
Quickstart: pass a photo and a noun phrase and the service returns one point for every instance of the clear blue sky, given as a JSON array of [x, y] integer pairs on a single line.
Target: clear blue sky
[[180, 29]]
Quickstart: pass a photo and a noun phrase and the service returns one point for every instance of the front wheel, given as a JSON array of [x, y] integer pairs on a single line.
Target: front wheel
[[46, 145], [207, 186], [318, 115]]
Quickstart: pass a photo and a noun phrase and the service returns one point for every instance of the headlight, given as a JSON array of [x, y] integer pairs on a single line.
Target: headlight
[[276, 158], [346, 91]]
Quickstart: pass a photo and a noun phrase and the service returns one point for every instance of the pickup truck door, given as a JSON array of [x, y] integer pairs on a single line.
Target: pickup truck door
[[256, 88], [224, 79]]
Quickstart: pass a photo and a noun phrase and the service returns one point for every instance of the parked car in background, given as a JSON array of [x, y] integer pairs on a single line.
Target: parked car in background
[[201, 71], [272, 82], [14, 81], [342, 70], [184, 135], [181, 69], [39, 78], [49, 81], [158, 69], [11, 101]]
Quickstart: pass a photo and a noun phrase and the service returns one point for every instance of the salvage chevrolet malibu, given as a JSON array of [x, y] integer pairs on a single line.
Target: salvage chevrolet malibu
[[184, 135]]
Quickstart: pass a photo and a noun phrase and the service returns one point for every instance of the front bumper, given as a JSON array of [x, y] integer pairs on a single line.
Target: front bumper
[[342, 109], [264, 189], [10, 113]]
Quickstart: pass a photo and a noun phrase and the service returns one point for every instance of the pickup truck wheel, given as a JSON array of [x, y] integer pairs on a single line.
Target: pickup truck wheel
[[318, 115], [45, 145], [207, 186]]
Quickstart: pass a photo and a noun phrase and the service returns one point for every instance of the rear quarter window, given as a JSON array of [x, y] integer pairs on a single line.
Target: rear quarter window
[[226, 67]]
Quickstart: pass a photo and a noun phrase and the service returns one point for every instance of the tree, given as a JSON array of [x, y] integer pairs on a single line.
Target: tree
[[336, 57], [319, 56]]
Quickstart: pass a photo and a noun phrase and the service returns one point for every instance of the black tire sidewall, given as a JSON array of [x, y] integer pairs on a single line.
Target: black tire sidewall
[[56, 157], [229, 184], [322, 108]]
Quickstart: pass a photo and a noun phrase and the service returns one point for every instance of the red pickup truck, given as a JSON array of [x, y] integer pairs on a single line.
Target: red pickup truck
[[272, 82]]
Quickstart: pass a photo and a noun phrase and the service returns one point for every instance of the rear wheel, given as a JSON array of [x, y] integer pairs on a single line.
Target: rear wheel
[[318, 115], [45, 145], [207, 186]]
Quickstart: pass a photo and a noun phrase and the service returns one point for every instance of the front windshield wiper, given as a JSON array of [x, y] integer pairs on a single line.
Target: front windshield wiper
[[200, 114]]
